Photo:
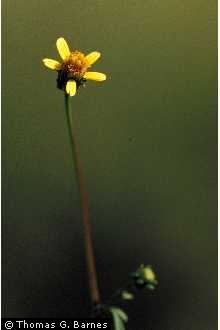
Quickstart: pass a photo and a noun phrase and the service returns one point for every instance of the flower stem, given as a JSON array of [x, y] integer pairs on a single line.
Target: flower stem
[[90, 258]]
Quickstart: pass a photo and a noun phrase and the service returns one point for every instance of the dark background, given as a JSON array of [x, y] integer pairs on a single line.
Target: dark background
[[148, 139]]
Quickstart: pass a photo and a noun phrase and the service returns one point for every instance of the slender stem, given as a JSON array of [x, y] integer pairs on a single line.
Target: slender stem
[[90, 258]]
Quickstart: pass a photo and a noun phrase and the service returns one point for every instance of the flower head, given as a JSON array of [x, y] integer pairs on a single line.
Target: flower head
[[73, 70], [145, 277]]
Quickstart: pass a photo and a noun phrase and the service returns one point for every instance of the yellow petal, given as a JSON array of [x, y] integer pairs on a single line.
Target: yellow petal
[[93, 57], [71, 87], [51, 64], [97, 76], [63, 48]]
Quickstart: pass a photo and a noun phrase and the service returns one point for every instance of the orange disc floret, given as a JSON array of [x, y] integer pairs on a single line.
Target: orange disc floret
[[75, 65]]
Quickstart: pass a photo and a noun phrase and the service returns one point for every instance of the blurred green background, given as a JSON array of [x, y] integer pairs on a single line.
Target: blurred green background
[[148, 139]]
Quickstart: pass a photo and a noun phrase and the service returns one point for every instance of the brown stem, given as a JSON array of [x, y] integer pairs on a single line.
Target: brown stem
[[90, 258]]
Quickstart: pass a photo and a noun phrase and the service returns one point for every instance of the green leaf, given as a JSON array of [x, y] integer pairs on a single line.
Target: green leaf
[[150, 286], [119, 318], [126, 295], [122, 314]]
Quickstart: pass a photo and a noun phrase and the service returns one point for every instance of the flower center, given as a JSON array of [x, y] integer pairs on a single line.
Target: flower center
[[75, 65]]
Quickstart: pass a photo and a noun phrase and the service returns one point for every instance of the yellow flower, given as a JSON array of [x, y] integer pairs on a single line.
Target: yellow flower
[[72, 71], [148, 274]]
